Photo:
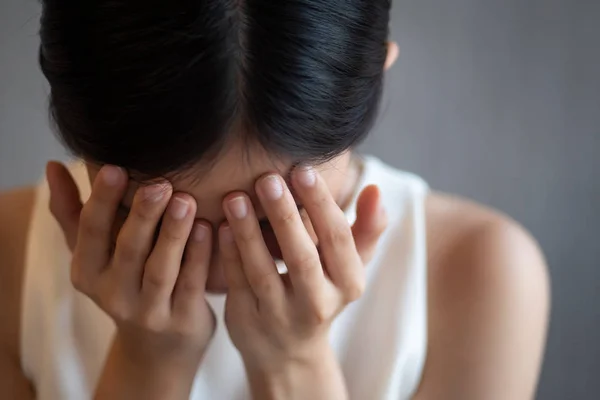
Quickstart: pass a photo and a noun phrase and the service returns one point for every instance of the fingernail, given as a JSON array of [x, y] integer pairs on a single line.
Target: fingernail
[[238, 207], [111, 174], [272, 187], [200, 232], [154, 192], [179, 208], [226, 234], [307, 176]]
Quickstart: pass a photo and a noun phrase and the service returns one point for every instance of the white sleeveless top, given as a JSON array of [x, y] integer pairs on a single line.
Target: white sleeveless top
[[380, 340]]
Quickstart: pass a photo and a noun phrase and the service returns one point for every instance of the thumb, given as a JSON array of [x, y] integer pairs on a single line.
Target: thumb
[[371, 221], [65, 200]]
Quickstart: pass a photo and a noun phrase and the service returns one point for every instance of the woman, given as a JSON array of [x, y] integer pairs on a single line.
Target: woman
[[220, 238]]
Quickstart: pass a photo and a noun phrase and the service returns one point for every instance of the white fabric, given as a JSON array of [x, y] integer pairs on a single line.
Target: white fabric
[[380, 340]]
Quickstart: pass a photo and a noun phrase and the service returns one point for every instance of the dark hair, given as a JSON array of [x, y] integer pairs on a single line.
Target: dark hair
[[158, 86]]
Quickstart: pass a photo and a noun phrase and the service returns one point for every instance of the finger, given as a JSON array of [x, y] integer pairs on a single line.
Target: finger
[[97, 218], [136, 237], [299, 252], [333, 231], [232, 263], [191, 282], [164, 263], [65, 200], [257, 263], [371, 221]]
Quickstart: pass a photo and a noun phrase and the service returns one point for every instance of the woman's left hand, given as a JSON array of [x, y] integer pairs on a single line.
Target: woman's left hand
[[280, 323]]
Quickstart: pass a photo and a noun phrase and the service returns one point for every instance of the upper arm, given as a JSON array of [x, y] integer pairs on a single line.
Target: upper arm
[[15, 210], [488, 314]]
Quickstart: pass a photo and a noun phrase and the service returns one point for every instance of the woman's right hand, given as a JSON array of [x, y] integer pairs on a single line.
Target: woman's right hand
[[153, 290]]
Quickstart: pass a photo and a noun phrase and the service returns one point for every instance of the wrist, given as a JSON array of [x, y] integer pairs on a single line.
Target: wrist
[[161, 352], [316, 377], [128, 375]]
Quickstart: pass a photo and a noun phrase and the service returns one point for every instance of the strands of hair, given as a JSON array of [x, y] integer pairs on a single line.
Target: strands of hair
[[163, 87]]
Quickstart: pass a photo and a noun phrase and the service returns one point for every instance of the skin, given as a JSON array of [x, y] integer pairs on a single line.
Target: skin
[[229, 175], [294, 313], [488, 305], [488, 285], [280, 326]]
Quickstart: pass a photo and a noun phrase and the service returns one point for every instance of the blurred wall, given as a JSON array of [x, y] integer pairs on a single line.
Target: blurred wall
[[497, 100]]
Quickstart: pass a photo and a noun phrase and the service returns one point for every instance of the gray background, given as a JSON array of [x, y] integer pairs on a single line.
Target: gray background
[[498, 100]]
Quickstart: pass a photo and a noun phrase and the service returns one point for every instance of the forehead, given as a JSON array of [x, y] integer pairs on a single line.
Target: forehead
[[236, 170]]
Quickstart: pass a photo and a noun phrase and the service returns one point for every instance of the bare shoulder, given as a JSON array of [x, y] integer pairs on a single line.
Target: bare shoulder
[[460, 227], [15, 212], [489, 296], [478, 244]]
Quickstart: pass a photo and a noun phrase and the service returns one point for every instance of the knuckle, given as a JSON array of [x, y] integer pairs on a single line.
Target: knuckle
[[120, 314], [305, 264], [319, 313], [143, 212], [152, 320], [155, 281], [173, 233], [187, 285], [101, 191], [91, 230], [247, 235], [280, 316], [319, 200], [228, 254], [183, 329], [126, 252], [239, 315], [336, 235], [91, 226], [115, 306], [288, 217], [264, 282], [354, 290]]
